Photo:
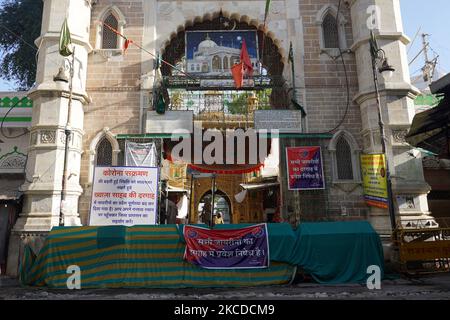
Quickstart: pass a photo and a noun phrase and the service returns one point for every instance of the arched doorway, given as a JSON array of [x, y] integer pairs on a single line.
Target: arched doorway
[[174, 52], [222, 206], [223, 108]]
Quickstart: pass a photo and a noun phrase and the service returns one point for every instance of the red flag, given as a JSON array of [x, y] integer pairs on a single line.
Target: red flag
[[245, 58], [238, 74], [126, 45]]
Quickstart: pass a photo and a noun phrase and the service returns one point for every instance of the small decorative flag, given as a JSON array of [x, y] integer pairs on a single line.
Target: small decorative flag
[[160, 105], [126, 45], [65, 40], [245, 58], [238, 74]]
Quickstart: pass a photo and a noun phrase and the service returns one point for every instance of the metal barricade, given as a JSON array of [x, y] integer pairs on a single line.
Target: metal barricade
[[423, 245]]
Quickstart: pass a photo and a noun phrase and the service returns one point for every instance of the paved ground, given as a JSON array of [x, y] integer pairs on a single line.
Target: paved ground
[[432, 287]]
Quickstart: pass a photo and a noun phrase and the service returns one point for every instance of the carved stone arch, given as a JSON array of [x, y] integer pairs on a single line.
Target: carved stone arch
[[105, 133], [13, 161], [114, 10], [273, 56], [221, 192], [331, 8], [348, 136], [355, 151]]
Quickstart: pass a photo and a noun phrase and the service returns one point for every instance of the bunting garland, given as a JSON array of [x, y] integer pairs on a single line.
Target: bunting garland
[[243, 170], [129, 41]]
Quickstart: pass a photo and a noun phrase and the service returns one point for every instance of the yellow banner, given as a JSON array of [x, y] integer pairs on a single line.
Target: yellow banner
[[373, 167]]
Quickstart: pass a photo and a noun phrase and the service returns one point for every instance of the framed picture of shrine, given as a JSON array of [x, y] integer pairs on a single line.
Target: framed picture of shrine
[[211, 54]]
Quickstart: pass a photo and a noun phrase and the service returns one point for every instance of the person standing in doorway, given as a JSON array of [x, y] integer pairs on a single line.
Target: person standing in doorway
[[218, 219]]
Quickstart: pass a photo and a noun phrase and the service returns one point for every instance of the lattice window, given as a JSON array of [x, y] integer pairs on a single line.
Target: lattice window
[[109, 38], [330, 32], [104, 153], [344, 160]]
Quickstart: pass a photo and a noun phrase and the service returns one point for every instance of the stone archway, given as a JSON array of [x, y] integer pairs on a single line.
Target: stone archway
[[229, 185], [270, 53], [273, 61], [227, 211]]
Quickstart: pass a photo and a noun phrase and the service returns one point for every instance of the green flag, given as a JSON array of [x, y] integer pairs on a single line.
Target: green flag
[[267, 10], [65, 40], [160, 104]]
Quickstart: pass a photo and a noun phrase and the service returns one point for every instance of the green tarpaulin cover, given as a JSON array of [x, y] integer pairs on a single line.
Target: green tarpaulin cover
[[152, 256], [337, 252], [134, 257]]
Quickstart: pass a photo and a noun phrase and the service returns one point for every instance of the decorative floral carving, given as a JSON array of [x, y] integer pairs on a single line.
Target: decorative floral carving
[[48, 136], [34, 139], [13, 162], [399, 136], [62, 137]]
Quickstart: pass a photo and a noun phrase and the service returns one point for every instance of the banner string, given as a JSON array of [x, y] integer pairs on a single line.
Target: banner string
[[128, 41]]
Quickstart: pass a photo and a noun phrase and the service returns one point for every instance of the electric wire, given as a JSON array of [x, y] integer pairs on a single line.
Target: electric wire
[[4, 118], [347, 83]]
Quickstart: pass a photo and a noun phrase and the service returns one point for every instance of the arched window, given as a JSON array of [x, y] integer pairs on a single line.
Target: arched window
[[104, 150], [104, 154], [109, 39], [345, 158], [330, 32], [216, 63]]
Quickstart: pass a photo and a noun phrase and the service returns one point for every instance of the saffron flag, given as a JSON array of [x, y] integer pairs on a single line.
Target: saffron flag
[[238, 74], [126, 45], [245, 59], [65, 40]]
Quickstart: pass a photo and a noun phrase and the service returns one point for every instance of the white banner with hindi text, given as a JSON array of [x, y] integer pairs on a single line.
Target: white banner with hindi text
[[124, 196]]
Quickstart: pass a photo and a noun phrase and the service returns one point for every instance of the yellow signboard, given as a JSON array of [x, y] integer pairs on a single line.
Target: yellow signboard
[[373, 167]]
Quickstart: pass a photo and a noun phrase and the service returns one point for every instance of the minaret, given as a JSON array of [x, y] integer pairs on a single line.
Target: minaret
[[42, 189], [397, 102]]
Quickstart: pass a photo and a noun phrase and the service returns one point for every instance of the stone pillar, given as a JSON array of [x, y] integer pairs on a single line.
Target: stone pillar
[[42, 189], [397, 102], [149, 37], [294, 32]]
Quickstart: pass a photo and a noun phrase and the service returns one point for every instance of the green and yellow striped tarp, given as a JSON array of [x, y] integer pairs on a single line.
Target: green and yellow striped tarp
[[132, 257]]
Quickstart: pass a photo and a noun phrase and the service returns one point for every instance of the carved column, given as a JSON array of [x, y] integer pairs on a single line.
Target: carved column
[[42, 203], [397, 102]]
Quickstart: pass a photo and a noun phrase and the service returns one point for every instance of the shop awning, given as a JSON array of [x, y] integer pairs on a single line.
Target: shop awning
[[257, 186], [174, 189], [430, 129]]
